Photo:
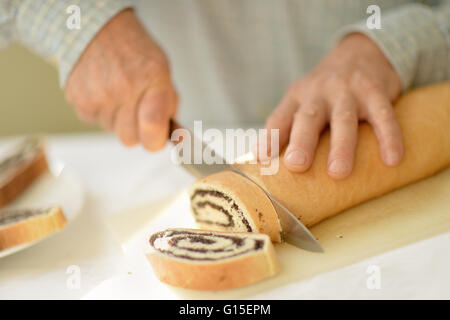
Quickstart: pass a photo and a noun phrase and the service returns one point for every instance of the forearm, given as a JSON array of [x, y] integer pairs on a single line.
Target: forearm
[[415, 39], [42, 26]]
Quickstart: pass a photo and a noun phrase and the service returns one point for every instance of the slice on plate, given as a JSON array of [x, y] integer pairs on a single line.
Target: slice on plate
[[20, 166], [209, 260], [21, 226]]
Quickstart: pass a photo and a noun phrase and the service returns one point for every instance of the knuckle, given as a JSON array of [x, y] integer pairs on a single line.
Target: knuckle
[[127, 82], [346, 117], [334, 81], [333, 86], [343, 98], [371, 87], [360, 78], [90, 101], [384, 114], [368, 85], [309, 111]]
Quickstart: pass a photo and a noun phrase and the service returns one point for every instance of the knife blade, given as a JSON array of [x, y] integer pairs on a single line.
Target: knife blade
[[293, 230]]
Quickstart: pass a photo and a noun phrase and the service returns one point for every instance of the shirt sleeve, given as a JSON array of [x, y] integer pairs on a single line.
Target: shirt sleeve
[[415, 39], [44, 26], [6, 23]]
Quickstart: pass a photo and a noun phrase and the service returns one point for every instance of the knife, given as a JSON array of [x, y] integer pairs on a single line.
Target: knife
[[293, 231]]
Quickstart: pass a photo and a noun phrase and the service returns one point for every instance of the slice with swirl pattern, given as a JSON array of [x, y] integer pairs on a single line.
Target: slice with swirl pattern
[[226, 201], [207, 260]]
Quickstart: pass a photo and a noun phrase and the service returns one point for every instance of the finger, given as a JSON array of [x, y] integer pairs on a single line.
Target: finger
[[87, 114], [126, 125], [154, 112], [107, 117], [381, 115], [344, 131], [280, 119], [309, 121]]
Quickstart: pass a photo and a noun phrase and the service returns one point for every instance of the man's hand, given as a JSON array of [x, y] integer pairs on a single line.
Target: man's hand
[[353, 82], [122, 82]]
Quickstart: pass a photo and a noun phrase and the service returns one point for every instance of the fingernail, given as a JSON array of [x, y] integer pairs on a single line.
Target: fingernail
[[296, 158], [339, 166]]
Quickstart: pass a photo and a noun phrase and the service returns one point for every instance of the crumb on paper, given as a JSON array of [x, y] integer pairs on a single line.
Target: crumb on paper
[[340, 236]]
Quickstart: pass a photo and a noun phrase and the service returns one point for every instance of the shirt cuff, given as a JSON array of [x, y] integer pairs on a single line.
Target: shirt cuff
[[414, 40], [44, 27]]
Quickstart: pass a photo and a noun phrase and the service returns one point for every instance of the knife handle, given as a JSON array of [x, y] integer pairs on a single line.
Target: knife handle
[[173, 125]]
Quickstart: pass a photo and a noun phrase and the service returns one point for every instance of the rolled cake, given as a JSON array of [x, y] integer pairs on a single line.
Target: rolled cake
[[207, 260], [424, 118], [19, 167], [20, 226]]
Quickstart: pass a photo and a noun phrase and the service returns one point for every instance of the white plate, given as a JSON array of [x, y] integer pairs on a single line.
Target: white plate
[[61, 186]]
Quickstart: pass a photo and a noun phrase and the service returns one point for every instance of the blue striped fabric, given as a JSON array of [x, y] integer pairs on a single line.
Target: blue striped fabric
[[416, 40], [42, 26]]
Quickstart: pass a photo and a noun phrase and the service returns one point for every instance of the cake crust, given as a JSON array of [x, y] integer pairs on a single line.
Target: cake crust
[[31, 228]]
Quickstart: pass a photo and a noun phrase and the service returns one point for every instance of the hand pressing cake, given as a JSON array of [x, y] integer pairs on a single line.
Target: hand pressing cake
[[207, 260], [228, 201], [20, 167], [20, 226]]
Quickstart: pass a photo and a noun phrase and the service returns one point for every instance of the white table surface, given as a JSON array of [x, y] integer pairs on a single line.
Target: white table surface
[[117, 178]]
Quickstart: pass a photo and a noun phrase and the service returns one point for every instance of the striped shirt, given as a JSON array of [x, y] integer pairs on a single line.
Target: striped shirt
[[235, 58]]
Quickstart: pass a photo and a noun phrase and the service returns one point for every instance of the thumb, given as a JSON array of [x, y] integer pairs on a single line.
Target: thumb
[[154, 112]]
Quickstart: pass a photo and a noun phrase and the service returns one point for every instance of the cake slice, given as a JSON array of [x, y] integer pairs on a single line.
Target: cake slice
[[19, 167], [226, 201], [20, 226], [206, 260]]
